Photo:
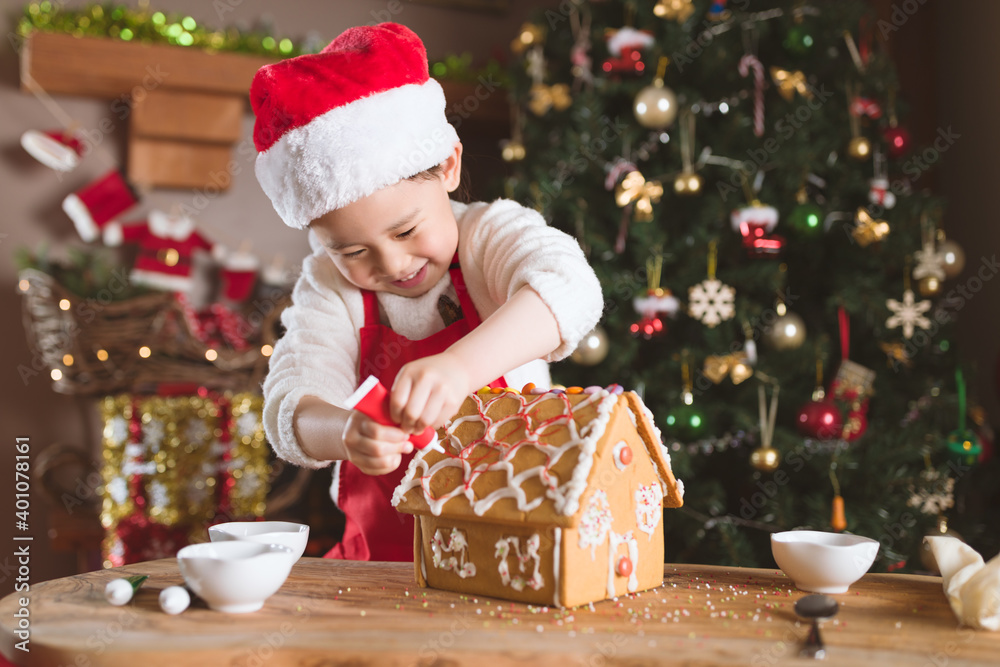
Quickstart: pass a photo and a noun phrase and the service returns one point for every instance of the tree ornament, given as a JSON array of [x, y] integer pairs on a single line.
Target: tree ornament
[[929, 286], [879, 192], [625, 46], [929, 259], [908, 314], [860, 148], [655, 106], [635, 189], [819, 419], [736, 365], [865, 107], [788, 331], [963, 444], [750, 62], [897, 138], [799, 40], [56, 149], [687, 182], [717, 11], [952, 258], [806, 217], [868, 230], [543, 97], [685, 422], [711, 301], [852, 385], [755, 224], [656, 302], [579, 53], [674, 10], [529, 36], [790, 82], [766, 458], [593, 348], [512, 150]]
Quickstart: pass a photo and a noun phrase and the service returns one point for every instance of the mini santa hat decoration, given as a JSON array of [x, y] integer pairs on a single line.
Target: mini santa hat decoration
[[629, 38], [56, 149], [755, 216], [93, 206], [336, 126], [239, 274]]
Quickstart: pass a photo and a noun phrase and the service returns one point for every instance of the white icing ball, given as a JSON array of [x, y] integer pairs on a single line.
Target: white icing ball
[[174, 599], [118, 592]]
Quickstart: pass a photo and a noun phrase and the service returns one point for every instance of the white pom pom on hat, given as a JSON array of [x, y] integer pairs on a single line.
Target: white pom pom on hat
[[336, 126]]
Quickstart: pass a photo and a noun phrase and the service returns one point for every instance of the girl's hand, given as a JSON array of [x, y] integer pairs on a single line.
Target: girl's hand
[[374, 448], [428, 392]]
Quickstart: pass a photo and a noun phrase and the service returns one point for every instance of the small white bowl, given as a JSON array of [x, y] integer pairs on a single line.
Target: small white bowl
[[822, 562], [235, 577], [292, 535]]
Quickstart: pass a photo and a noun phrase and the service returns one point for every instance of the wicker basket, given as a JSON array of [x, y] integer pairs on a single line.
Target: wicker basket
[[93, 347]]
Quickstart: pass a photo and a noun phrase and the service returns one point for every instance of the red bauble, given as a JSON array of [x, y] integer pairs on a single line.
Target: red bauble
[[820, 419], [898, 141]]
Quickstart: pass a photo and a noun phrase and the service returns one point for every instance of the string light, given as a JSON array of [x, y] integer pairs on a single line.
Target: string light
[[144, 352], [211, 355], [24, 285], [67, 360], [56, 375], [102, 355], [64, 304], [266, 350]]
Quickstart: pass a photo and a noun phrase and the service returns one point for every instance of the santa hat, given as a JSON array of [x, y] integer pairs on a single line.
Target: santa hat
[[336, 126], [56, 149], [755, 216], [97, 203]]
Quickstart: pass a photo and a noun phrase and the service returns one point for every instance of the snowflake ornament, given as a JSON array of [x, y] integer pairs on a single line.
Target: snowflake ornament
[[711, 302], [930, 263], [908, 314]]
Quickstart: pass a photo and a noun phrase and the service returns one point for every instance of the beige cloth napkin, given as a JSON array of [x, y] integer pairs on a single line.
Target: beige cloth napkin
[[971, 586]]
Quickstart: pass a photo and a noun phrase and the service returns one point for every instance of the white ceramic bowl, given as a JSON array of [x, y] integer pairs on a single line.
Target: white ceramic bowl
[[235, 577], [822, 562], [293, 535]]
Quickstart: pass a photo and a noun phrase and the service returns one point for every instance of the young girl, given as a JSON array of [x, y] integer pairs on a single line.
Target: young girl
[[433, 297]]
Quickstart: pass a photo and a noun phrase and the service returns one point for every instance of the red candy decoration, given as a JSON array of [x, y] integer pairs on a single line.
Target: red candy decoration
[[624, 567], [625, 455], [820, 419]]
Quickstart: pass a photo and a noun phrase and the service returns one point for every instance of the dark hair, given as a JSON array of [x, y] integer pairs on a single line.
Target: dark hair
[[461, 193]]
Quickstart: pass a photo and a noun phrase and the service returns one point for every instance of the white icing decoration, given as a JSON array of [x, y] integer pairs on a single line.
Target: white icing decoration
[[456, 544], [565, 495], [557, 537], [631, 416], [664, 453], [595, 522], [518, 583], [680, 489], [617, 452], [648, 507], [633, 554]]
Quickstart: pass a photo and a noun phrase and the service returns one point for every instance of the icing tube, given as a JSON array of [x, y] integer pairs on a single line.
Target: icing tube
[[372, 400]]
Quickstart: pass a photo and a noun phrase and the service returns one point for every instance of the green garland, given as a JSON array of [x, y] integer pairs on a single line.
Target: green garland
[[154, 27]]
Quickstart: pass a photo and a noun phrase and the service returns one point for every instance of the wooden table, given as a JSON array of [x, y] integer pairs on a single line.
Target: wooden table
[[346, 613]]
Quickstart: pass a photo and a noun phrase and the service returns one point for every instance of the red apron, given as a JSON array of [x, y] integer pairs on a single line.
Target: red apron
[[374, 529]]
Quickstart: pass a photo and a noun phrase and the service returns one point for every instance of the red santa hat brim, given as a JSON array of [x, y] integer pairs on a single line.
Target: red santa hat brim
[[354, 150], [52, 150]]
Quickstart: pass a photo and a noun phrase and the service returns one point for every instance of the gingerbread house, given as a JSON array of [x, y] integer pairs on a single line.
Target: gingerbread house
[[550, 498]]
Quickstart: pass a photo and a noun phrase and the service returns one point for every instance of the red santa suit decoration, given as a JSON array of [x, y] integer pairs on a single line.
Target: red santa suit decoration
[[166, 245], [755, 224], [56, 149], [97, 204]]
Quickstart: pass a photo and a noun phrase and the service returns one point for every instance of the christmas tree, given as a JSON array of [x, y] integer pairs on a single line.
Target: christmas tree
[[776, 283]]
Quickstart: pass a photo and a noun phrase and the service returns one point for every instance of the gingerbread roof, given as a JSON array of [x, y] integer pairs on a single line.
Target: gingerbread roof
[[526, 458]]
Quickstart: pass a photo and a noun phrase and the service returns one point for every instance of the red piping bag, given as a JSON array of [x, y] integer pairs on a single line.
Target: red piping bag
[[372, 400]]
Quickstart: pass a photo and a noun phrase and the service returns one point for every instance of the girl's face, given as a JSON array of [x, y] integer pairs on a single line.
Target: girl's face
[[400, 239]]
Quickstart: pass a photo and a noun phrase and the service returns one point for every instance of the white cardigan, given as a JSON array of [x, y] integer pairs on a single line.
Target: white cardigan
[[502, 247]]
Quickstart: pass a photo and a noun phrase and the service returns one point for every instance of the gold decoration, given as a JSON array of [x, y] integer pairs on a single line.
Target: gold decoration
[[674, 10], [634, 188], [543, 98], [790, 82], [765, 459], [929, 286], [859, 148], [868, 230], [529, 35], [687, 183], [512, 151], [896, 355], [734, 365]]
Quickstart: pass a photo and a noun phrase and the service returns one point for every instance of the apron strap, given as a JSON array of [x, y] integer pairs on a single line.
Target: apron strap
[[469, 311], [371, 308]]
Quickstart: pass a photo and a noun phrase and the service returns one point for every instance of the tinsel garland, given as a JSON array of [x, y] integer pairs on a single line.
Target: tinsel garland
[[174, 465]]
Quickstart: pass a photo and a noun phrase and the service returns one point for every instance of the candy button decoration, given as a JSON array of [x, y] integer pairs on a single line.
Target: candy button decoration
[[624, 567], [622, 455]]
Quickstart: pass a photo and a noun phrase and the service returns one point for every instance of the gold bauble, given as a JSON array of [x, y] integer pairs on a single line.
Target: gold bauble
[[860, 148], [952, 258], [929, 286], [512, 151], [655, 106], [787, 333], [926, 555], [765, 459], [687, 183], [593, 349]]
